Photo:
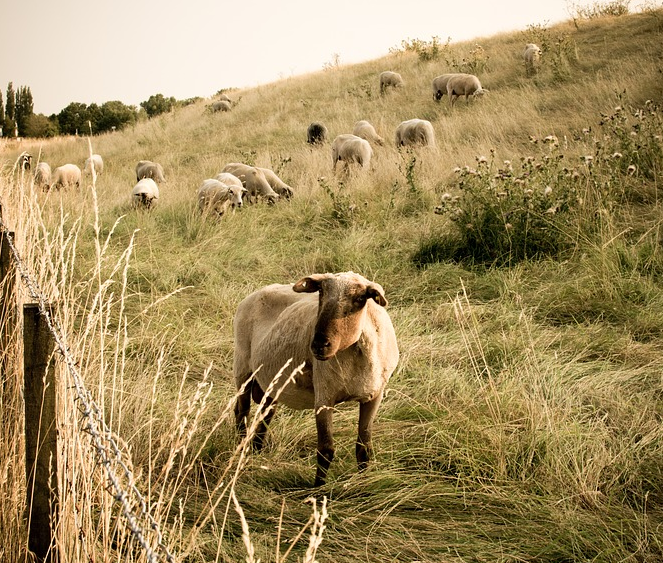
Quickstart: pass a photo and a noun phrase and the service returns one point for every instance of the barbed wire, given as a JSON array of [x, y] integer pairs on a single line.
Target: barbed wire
[[95, 426]]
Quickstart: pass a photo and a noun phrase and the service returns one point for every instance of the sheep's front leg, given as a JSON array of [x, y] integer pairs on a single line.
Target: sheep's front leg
[[325, 453], [367, 412]]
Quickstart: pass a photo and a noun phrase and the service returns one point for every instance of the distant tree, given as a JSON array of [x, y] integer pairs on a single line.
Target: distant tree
[[10, 108], [158, 104], [73, 119], [38, 125], [115, 115], [24, 108], [2, 116]]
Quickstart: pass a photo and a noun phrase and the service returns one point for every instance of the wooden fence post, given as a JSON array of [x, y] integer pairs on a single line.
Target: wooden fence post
[[7, 303], [40, 433]]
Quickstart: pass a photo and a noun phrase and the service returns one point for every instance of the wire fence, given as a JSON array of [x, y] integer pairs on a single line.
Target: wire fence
[[104, 444]]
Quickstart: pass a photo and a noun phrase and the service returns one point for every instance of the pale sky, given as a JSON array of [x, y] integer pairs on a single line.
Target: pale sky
[[127, 50]]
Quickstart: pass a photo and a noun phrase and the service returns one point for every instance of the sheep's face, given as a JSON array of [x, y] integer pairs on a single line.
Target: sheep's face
[[341, 310], [235, 196]]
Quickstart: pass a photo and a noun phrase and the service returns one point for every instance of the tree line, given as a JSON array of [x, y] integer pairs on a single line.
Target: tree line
[[17, 117]]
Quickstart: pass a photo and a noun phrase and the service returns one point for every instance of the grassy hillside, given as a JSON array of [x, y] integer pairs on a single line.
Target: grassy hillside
[[523, 422]]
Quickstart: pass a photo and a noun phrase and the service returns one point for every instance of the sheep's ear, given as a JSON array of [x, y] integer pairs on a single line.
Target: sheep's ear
[[375, 291], [309, 284]]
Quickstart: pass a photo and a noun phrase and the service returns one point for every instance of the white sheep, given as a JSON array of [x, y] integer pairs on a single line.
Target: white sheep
[[366, 131], [316, 134], [229, 179], [224, 98], [65, 176], [215, 197], [96, 161], [390, 79], [440, 84], [415, 132], [43, 176], [278, 185], [253, 180], [145, 194], [337, 327], [149, 169], [531, 56], [348, 148], [464, 85]]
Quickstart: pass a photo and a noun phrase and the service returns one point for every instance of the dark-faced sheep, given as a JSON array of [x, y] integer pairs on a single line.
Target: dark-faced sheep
[[415, 132], [43, 176], [464, 85], [216, 198], [390, 79], [149, 169], [65, 176], [440, 84], [349, 149], [366, 131], [253, 180], [145, 194], [25, 161], [335, 325], [316, 134], [221, 105]]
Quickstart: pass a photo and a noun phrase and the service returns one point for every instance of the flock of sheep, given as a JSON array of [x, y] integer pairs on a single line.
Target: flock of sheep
[[333, 327]]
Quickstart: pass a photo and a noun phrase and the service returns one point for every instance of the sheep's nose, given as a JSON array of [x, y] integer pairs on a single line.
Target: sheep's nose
[[320, 347]]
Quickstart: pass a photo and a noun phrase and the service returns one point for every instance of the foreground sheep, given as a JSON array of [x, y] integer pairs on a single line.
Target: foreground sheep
[[145, 194], [253, 180], [229, 179], [316, 134], [348, 148], [390, 79], [440, 84], [366, 131], [415, 132], [464, 85], [96, 161], [149, 169], [65, 176], [215, 197], [43, 176], [337, 327], [531, 56], [278, 185]]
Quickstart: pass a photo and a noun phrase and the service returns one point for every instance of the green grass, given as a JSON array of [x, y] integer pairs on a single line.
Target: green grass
[[523, 422]]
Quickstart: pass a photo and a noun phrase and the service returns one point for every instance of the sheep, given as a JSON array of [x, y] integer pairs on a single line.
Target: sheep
[[366, 131], [96, 161], [253, 180], [388, 79], [221, 105], [278, 185], [316, 134], [66, 175], [229, 179], [464, 85], [224, 98], [440, 84], [25, 160], [149, 169], [216, 197], [349, 148], [145, 193], [342, 339], [531, 56], [415, 132], [43, 175]]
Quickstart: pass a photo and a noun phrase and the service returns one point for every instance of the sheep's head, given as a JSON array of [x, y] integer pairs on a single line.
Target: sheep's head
[[341, 309]]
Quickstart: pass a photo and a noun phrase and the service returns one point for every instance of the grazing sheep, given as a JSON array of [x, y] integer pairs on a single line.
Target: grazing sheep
[[221, 105], [278, 185], [366, 131], [229, 179], [344, 339], [224, 98], [25, 161], [65, 176], [316, 134], [253, 180], [216, 198], [464, 85], [348, 149], [531, 56], [145, 194], [440, 84], [149, 169], [43, 176], [388, 79], [415, 132], [96, 161]]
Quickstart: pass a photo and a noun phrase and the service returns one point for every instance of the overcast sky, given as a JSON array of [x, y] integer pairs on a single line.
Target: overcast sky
[[80, 51]]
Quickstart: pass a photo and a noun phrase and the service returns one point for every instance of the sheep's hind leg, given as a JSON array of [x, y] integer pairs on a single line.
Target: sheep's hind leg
[[269, 409]]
